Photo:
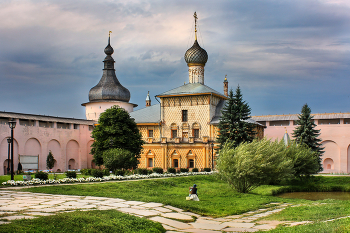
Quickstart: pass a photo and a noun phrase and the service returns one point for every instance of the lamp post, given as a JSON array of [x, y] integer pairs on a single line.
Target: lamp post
[[8, 156], [12, 124], [212, 156]]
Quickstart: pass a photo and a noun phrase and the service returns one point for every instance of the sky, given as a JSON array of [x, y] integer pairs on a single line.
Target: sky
[[282, 54]]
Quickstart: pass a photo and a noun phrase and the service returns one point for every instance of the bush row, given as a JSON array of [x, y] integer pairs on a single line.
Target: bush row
[[119, 172]]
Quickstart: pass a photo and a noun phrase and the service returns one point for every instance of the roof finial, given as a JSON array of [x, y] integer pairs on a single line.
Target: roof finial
[[226, 77], [109, 37], [195, 25]]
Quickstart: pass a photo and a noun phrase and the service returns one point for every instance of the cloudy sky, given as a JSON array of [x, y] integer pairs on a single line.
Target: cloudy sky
[[283, 54]]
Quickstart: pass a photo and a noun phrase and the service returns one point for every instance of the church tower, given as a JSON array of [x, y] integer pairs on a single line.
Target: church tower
[[196, 57], [108, 91]]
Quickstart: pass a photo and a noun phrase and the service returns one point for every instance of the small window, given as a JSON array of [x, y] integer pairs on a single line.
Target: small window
[[196, 133], [191, 163], [62, 125], [76, 126], [91, 128], [279, 123], [176, 163], [150, 133], [150, 162], [346, 120], [174, 133], [329, 121], [45, 124], [184, 115], [26, 122], [4, 121]]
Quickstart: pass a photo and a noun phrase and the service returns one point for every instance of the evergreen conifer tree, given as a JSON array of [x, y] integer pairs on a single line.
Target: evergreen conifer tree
[[233, 123], [305, 133], [50, 161]]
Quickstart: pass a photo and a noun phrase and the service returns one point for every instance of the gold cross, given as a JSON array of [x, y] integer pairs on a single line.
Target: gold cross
[[195, 24]]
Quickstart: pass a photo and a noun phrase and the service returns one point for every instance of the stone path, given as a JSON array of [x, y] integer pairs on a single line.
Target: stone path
[[18, 205]]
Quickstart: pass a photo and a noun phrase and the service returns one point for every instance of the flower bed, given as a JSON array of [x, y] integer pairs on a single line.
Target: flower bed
[[105, 178]]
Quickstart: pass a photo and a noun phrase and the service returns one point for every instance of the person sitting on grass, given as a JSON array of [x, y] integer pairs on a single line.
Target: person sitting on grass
[[193, 193]]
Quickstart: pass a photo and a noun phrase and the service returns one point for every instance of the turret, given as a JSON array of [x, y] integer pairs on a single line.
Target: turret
[[226, 86], [148, 100]]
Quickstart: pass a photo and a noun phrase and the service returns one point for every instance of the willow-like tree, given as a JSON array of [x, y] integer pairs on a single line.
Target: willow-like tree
[[305, 133], [234, 125], [116, 129]]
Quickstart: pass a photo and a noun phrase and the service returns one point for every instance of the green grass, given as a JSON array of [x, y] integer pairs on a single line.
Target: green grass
[[337, 226], [85, 221], [218, 199]]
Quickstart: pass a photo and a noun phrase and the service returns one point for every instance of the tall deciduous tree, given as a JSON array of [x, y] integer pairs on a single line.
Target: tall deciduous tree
[[234, 125], [115, 129], [305, 133], [50, 161]]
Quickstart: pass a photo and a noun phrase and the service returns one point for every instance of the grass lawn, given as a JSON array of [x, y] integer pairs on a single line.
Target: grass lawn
[[85, 221], [217, 198]]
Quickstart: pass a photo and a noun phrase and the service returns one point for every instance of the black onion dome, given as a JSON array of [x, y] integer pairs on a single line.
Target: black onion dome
[[109, 50], [196, 54], [109, 87]]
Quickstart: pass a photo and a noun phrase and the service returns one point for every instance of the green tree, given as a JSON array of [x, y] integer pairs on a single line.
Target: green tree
[[250, 165], [234, 125], [115, 129], [50, 161], [117, 158], [305, 133]]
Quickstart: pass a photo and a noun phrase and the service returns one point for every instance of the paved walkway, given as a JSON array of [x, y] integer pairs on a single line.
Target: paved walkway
[[19, 205]]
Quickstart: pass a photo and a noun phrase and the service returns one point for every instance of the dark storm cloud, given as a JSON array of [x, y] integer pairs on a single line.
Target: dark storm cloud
[[282, 53]]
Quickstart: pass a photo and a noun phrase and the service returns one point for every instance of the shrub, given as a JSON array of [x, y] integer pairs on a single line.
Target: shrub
[[71, 174], [141, 171], [207, 169], [97, 173], [149, 172], [158, 170], [86, 171], [195, 170], [119, 172], [305, 161], [119, 159], [183, 169], [106, 172], [42, 175], [253, 164], [171, 170], [128, 173]]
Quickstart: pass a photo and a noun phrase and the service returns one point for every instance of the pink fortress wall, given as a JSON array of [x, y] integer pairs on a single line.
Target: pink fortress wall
[[65, 144], [335, 139]]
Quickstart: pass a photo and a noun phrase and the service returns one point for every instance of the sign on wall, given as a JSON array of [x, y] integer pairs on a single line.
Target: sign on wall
[[29, 162]]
